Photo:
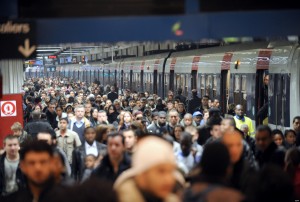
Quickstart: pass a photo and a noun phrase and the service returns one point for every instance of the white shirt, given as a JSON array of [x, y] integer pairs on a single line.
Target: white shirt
[[176, 147], [185, 163], [79, 123], [91, 149]]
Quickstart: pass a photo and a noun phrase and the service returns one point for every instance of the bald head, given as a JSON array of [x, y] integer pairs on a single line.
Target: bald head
[[239, 110]]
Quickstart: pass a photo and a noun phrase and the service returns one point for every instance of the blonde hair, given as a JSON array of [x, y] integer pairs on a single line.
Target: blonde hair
[[16, 126]]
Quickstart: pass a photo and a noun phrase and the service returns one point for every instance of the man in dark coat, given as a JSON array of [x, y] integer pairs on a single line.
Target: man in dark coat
[[267, 150], [194, 102], [179, 96], [36, 125], [116, 161], [112, 95], [51, 115], [89, 146]]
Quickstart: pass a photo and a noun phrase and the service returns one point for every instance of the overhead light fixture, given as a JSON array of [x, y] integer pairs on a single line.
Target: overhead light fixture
[[69, 54], [40, 47], [47, 50]]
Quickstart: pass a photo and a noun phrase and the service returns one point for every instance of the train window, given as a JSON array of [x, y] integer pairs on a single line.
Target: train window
[[125, 80], [150, 83], [236, 83], [215, 86], [202, 85], [199, 83], [166, 84], [208, 85], [186, 81], [244, 91], [244, 83], [166, 79], [138, 80], [177, 81], [146, 82], [181, 83]]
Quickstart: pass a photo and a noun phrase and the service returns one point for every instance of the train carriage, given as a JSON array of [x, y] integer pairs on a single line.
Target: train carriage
[[232, 74]]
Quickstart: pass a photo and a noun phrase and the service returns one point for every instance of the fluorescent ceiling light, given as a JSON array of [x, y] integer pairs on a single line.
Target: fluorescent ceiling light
[[49, 47], [47, 50], [69, 54]]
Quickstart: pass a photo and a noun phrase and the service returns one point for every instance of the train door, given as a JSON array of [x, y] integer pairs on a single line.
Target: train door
[[154, 82], [177, 81], [116, 81], [240, 91], [199, 84], [146, 82], [102, 77], [150, 76], [166, 84], [172, 81], [185, 84], [202, 85], [108, 77], [142, 81], [261, 97], [130, 79], [133, 85], [215, 84], [91, 76], [160, 85], [122, 79], [193, 81], [279, 93], [137, 81], [208, 89], [224, 90]]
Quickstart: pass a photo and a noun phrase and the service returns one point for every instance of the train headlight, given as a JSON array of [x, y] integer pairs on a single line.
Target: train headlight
[[237, 64]]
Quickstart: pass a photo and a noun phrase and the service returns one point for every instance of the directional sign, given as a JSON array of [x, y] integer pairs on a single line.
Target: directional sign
[[17, 39]]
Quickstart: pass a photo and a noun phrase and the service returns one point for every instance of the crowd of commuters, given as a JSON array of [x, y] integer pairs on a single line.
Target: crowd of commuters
[[88, 142]]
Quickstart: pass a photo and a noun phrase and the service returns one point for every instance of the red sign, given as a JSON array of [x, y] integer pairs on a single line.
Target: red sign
[[226, 61], [52, 56], [173, 62], [11, 112], [195, 64], [8, 108], [263, 60], [143, 64]]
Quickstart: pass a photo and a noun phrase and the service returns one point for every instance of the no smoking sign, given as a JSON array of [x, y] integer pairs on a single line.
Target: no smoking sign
[[8, 108]]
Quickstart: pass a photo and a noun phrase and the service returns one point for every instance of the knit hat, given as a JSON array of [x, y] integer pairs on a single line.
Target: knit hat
[[151, 151]]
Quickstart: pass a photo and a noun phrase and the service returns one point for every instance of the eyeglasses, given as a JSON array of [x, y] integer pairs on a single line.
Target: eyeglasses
[[162, 117], [139, 118]]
